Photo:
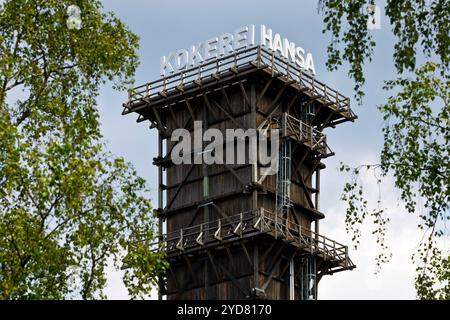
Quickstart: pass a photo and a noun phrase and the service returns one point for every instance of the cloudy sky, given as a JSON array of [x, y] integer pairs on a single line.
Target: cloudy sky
[[167, 25]]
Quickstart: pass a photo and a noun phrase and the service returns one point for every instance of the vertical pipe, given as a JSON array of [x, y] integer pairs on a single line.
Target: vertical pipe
[[255, 165], [206, 193], [204, 165], [317, 204], [160, 204], [317, 199], [291, 280]]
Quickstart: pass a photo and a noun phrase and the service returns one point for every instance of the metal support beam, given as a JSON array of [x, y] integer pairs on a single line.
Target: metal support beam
[[230, 276], [261, 95], [179, 186], [275, 262]]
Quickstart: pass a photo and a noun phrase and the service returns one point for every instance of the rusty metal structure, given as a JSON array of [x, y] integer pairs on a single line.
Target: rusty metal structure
[[229, 231]]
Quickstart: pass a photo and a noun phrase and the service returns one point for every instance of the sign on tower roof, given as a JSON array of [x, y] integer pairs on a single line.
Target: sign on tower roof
[[228, 43]]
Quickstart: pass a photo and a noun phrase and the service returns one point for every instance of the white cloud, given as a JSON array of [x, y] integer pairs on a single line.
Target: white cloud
[[396, 278], [115, 288]]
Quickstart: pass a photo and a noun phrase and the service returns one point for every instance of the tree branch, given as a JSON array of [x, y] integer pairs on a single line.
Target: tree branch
[[13, 54]]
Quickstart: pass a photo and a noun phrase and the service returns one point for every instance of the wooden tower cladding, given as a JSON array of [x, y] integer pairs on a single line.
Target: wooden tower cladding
[[229, 231]]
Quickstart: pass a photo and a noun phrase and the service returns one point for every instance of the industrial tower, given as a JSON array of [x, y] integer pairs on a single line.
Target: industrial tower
[[229, 231]]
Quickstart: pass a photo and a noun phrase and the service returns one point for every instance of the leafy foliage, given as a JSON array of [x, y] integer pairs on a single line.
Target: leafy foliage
[[416, 150], [432, 279], [417, 141], [415, 23], [67, 206], [416, 131], [358, 43], [358, 210]]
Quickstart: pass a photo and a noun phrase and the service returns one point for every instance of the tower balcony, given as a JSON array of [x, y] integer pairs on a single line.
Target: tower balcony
[[250, 224], [236, 69], [299, 131]]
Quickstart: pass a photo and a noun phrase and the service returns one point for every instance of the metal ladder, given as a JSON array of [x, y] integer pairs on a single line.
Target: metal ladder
[[283, 202]]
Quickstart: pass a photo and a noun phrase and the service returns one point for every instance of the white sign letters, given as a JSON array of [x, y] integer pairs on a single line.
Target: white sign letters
[[227, 43]]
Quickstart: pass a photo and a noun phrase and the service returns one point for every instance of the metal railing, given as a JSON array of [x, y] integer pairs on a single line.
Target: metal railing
[[304, 238], [220, 229], [304, 133], [295, 128], [260, 220], [256, 56]]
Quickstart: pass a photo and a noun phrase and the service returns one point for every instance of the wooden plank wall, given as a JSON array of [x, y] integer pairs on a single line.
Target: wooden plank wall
[[200, 275]]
